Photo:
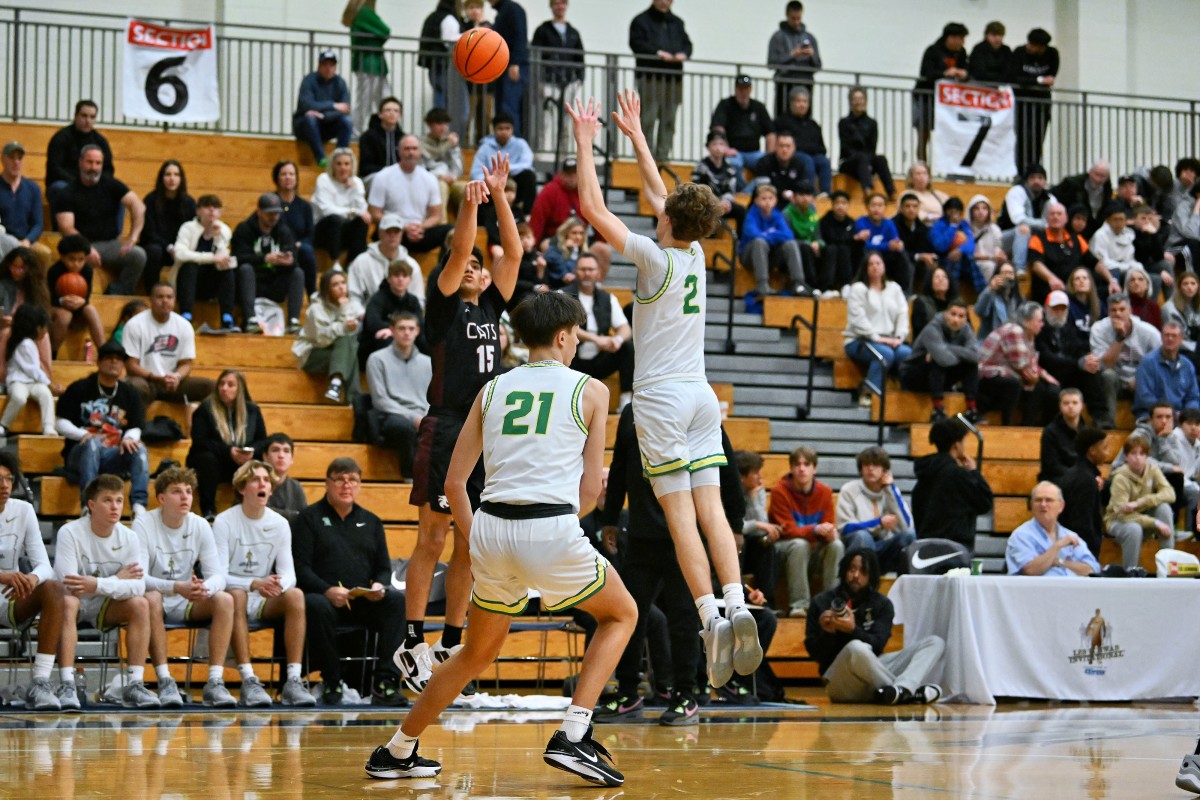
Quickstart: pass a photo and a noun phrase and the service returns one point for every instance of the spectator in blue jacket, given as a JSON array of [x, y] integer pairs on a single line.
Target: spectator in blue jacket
[[20, 199], [323, 110], [954, 243], [1165, 374], [520, 160], [877, 233], [768, 241]]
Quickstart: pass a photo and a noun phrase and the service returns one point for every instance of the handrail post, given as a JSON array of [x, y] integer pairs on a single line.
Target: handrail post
[[16, 64], [811, 327], [978, 439], [880, 390], [1086, 155]]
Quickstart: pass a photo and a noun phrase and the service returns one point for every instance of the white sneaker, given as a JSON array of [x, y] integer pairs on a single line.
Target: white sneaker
[[718, 650], [415, 665], [138, 510], [747, 652], [1188, 778], [440, 653]]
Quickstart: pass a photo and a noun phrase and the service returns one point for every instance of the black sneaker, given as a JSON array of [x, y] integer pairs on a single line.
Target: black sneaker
[[892, 696], [385, 766], [937, 415], [618, 705], [584, 758], [385, 691], [975, 418], [331, 695], [683, 711], [735, 694]]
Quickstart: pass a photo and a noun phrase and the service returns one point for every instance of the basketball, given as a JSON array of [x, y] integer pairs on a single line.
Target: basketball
[[481, 55], [71, 283]]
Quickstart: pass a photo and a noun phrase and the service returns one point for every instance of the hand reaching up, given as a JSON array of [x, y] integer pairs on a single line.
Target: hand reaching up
[[586, 120], [496, 177], [630, 118]]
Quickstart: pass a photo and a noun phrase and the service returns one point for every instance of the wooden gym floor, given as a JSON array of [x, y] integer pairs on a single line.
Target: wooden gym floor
[[1014, 751]]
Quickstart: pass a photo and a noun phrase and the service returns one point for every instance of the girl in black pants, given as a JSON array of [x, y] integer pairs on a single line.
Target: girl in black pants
[[227, 428]]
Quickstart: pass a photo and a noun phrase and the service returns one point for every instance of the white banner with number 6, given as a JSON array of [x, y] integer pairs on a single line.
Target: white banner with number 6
[[171, 74], [973, 131]]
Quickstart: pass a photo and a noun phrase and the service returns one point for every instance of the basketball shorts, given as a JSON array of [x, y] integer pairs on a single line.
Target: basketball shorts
[[8, 615], [92, 610], [435, 445], [254, 606], [176, 609], [679, 434], [511, 556]]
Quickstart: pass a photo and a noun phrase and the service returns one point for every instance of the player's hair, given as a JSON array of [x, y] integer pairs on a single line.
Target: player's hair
[[208, 201], [102, 483], [693, 210], [747, 461], [1136, 441], [403, 316], [874, 456], [1191, 415], [398, 266], [9, 462], [173, 475], [947, 433], [278, 438], [246, 471], [807, 453], [870, 565], [74, 243], [82, 104], [538, 319], [342, 466]]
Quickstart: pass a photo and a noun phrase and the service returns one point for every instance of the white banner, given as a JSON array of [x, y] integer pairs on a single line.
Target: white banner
[[170, 74], [973, 131]]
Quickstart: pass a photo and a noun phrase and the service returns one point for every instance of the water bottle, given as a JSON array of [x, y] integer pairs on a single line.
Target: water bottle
[[88, 352]]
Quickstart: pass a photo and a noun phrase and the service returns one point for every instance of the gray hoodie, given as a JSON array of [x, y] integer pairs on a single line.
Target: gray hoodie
[[946, 348], [779, 52]]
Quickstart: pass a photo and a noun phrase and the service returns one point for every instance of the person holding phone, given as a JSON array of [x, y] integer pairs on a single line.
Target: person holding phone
[[227, 429]]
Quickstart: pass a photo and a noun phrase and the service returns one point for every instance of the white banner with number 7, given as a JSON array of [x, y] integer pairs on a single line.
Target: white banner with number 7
[[170, 74], [973, 131]]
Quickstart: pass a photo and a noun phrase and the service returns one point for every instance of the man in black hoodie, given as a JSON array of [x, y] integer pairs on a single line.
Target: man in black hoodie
[[945, 59], [1034, 66], [62, 154], [660, 42], [990, 58], [1081, 487], [379, 144], [848, 627], [950, 491]]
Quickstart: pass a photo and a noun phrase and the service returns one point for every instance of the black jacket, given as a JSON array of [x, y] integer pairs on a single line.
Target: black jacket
[[858, 135], [559, 68], [873, 615], [249, 242], [916, 238], [835, 231], [62, 154], [511, 24], [1060, 349], [163, 220], [206, 437], [989, 64], [651, 31], [1083, 512], [330, 550], [744, 128], [947, 499], [381, 305], [625, 478], [1058, 449], [1025, 68], [805, 130], [378, 148], [936, 59], [784, 177]]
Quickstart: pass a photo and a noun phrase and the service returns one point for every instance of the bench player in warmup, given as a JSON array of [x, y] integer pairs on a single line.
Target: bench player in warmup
[[540, 428], [676, 412]]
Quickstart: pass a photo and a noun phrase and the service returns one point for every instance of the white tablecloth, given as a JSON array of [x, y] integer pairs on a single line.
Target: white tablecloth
[[1031, 637]]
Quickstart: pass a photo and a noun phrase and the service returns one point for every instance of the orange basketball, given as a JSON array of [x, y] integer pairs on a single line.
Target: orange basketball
[[481, 55], [71, 283]]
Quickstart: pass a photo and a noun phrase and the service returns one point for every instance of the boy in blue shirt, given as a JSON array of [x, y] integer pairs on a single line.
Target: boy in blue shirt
[[767, 241]]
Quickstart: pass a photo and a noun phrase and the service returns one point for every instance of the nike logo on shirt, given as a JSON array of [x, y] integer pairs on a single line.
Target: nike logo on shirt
[[360, 524]]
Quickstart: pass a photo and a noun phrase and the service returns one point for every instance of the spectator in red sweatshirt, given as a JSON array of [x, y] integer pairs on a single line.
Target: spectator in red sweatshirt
[[557, 202], [802, 507]]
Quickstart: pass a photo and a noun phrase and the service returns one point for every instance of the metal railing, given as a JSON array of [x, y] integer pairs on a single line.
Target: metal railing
[[799, 320], [55, 58], [880, 391]]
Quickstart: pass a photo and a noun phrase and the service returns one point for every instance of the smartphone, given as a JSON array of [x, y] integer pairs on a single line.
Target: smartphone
[[246, 449]]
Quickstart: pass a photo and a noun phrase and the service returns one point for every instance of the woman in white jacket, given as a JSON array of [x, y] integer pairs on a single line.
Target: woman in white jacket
[[340, 206], [876, 317], [203, 267], [328, 342]]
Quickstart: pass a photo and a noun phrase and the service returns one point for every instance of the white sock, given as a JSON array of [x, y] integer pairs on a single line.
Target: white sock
[[706, 604], [735, 596], [136, 674], [163, 673], [215, 672], [293, 671], [402, 746], [42, 664], [246, 670], [575, 723]]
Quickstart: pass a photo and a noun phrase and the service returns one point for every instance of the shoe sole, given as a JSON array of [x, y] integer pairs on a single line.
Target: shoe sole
[[170, 703], [225, 704], [719, 659], [393, 774], [747, 652], [312, 701], [573, 765], [1188, 781], [633, 713], [681, 721]]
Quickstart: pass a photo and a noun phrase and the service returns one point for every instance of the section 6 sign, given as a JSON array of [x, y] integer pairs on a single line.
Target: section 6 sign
[[170, 74], [973, 131]]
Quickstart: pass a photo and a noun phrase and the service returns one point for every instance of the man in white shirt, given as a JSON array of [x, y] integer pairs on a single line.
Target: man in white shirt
[[370, 267], [27, 594], [399, 379], [160, 347], [174, 539], [99, 562], [606, 345], [256, 545], [409, 190]]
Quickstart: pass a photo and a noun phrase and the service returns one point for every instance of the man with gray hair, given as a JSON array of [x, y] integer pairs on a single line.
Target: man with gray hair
[[1041, 546], [92, 204], [1164, 376], [1092, 189], [1121, 341], [1009, 372]]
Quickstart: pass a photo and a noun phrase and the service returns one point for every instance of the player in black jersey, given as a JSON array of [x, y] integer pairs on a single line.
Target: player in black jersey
[[462, 325]]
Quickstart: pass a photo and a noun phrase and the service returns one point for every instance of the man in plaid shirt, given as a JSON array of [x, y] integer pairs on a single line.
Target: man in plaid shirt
[[1009, 372]]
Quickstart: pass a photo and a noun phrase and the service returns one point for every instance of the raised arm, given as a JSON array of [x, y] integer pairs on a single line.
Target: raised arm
[[504, 271], [630, 123], [463, 241], [591, 197]]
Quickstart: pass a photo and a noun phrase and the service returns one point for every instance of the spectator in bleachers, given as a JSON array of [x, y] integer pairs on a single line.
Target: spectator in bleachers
[[810, 142], [793, 53], [802, 507], [859, 137], [21, 202], [920, 185], [782, 168], [1034, 66], [1142, 304], [876, 319], [986, 233], [22, 280], [606, 342], [379, 144], [30, 593], [1184, 308], [255, 545], [944, 354], [746, 125], [323, 108], [837, 233], [204, 267], [440, 151], [173, 541], [877, 234], [999, 301], [409, 191], [1121, 341], [801, 216], [368, 36], [520, 158], [227, 430], [531, 276], [563, 251], [26, 376], [1187, 170], [934, 298], [1140, 502], [168, 207], [954, 242], [1058, 437], [848, 643], [342, 553], [298, 216], [560, 55], [91, 204], [1055, 252], [767, 241], [161, 350], [719, 174], [1009, 372], [1164, 375], [1065, 352], [950, 491], [1081, 486], [1092, 189], [101, 418], [758, 533], [871, 512], [479, 98], [369, 270], [1148, 250], [1129, 192], [989, 60], [1184, 237], [66, 147], [328, 342], [69, 309], [287, 498], [1085, 306], [557, 202], [339, 204], [98, 560], [1025, 207], [1186, 440], [1112, 243], [1044, 546], [391, 297], [398, 377], [439, 33], [509, 88], [918, 253], [945, 59], [658, 38], [265, 249]]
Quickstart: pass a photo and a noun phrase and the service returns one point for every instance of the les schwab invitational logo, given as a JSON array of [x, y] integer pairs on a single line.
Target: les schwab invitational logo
[[1096, 645]]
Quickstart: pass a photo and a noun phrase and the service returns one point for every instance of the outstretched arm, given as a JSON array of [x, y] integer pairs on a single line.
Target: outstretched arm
[[464, 238], [504, 271], [591, 197], [630, 123]]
